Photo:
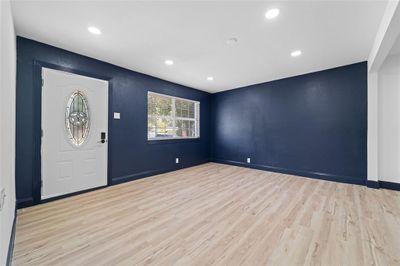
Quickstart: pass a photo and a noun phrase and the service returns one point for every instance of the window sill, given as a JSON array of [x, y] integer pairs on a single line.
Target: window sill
[[172, 140]]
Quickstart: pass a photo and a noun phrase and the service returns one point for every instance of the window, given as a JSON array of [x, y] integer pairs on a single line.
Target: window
[[171, 117], [77, 119]]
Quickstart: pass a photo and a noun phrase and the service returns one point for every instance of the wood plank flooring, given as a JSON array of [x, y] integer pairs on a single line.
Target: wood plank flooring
[[215, 214]]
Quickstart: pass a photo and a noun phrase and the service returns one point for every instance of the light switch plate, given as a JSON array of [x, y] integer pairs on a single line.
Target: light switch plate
[[176, 160], [248, 160], [117, 115]]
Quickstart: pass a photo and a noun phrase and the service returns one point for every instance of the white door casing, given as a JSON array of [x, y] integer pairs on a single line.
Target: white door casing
[[68, 165]]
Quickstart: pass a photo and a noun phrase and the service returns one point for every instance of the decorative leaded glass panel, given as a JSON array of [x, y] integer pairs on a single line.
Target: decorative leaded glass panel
[[77, 119]]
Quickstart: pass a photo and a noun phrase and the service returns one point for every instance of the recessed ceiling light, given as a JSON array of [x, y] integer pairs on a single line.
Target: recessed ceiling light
[[169, 62], [272, 13], [232, 41], [295, 53], [210, 78], [94, 30]]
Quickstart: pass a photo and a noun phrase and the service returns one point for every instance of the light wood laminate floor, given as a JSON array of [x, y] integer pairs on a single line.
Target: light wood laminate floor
[[215, 214]]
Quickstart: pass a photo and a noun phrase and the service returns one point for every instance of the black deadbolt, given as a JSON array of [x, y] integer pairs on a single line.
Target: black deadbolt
[[103, 137]]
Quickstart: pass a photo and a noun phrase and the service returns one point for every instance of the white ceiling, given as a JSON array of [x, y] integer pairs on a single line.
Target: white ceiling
[[141, 35]]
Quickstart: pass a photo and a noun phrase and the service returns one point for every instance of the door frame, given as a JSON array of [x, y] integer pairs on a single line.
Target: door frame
[[37, 124]]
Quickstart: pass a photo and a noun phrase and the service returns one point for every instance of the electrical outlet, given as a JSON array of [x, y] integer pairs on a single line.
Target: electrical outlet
[[248, 160], [176, 160], [117, 116]]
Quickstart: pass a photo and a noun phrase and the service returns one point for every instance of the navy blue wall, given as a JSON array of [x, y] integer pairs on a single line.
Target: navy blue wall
[[312, 125], [131, 156]]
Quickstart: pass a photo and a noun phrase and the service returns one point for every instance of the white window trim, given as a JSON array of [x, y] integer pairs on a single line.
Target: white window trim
[[174, 118]]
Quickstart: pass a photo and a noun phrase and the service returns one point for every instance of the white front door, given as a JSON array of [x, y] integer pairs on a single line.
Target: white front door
[[75, 131]]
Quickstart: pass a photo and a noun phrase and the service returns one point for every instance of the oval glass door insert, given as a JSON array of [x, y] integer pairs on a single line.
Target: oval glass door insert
[[77, 119]]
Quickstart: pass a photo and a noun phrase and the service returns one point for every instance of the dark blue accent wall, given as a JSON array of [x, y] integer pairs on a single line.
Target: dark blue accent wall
[[131, 156], [312, 125]]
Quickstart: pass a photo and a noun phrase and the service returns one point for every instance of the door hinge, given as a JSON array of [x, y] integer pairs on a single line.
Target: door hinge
[[42, 82], [41, 133]]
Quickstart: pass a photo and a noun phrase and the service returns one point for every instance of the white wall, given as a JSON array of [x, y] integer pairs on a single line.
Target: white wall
[[388, 32], [7, 122], [372, 145], [389, 119]]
